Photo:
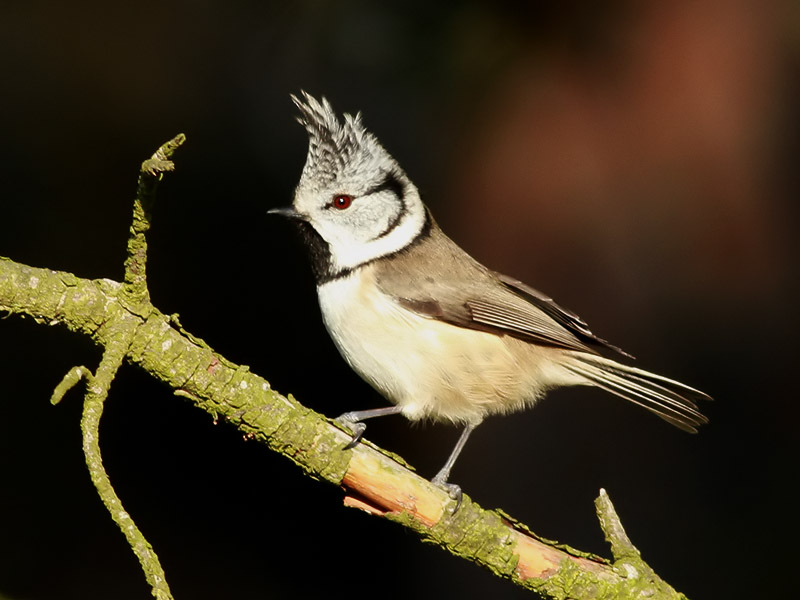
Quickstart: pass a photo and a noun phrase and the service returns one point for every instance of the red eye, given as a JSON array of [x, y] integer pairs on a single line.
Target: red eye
[[342, 201]]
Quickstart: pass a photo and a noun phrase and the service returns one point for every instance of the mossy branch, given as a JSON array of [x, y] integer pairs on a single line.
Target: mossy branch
[[120, 318]]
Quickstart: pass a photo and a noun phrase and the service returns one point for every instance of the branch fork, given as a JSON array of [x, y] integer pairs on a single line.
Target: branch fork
[[136, 299]]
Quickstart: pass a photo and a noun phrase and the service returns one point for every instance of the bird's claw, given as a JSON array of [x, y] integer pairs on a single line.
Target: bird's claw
[[357, 428], [453, 490]]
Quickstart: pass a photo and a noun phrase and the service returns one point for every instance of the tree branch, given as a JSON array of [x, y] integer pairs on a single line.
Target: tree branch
[[120, 318]]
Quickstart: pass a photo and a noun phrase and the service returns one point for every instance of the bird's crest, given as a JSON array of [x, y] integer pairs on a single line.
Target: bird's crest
[[334, 146]]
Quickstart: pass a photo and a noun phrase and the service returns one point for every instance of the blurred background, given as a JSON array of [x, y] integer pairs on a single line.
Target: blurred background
[[635, 160]]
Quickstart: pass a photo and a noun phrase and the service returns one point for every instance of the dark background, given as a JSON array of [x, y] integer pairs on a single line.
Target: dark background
[[636, 160]]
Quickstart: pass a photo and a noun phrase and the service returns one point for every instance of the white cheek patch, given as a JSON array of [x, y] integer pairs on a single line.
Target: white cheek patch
[[350, 251]]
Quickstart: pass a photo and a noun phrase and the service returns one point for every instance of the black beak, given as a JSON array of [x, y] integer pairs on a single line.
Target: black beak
[[288, 212]]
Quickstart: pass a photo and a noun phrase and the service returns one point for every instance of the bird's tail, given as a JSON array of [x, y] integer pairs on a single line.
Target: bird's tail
[[673, 401]]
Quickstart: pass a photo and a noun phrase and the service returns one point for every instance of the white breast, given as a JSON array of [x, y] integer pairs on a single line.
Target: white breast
[[428, 367]]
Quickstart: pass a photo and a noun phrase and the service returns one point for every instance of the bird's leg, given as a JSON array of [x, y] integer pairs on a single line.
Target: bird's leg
[[353, 421], [443, 475]]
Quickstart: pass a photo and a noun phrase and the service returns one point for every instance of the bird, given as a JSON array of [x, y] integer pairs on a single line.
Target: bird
[[439, 335]]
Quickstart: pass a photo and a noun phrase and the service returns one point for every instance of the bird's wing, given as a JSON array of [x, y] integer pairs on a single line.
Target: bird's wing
[[561, 315], [497, 316], [437, 279], [504, 306]]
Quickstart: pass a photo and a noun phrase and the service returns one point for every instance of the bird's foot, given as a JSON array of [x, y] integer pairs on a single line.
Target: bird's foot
[[357, 428], [452, 489]]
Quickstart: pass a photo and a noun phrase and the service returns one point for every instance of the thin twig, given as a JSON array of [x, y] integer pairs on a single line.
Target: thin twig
[[152, 171], [621, 545], [69, 381], [90, 426]]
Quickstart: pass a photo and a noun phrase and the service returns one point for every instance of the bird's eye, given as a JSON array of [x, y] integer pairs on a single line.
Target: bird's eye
[[342, 201]]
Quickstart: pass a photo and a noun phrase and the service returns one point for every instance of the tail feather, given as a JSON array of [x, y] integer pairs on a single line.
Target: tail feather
[[671, 400]]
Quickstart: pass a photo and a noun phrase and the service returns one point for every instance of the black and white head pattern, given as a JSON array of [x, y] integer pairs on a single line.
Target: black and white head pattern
[[355, 202]]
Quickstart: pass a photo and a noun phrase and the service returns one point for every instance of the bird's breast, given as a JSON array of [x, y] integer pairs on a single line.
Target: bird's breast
[[372, 332]]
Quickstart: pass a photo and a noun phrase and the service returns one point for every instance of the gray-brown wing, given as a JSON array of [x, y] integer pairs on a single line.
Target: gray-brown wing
[[565, 317], [437, 279], [498, 315], [499, 308]]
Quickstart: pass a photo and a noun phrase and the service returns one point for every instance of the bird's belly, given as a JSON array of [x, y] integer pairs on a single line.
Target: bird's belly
[[428, 367]]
